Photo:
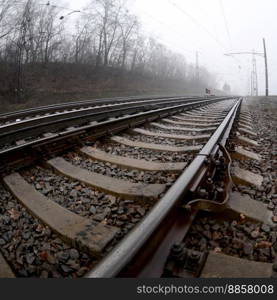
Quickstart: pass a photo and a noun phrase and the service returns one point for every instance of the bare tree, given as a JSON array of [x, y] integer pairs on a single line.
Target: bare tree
[[82, 42], [33, 36], [107, 14], [21, 45], [7, 20], [128, 26]]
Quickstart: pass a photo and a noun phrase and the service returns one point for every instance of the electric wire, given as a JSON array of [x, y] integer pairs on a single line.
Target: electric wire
[[226, 23], [197, 23]]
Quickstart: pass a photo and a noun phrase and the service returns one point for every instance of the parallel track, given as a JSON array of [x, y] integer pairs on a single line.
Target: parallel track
[[53, 108], [99, 124], [77, 117]]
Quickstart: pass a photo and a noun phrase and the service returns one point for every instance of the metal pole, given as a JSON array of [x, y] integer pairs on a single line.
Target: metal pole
[[266, 69], [252, 93], [197, 72], [254, 76]]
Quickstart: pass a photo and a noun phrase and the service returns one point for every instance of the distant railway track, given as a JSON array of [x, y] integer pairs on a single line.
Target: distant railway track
[[122, 192], [32, 132], [54, 108], [80, 115]]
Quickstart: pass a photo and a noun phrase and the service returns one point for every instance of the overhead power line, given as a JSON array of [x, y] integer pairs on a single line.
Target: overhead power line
[[203, 27], [178, 34], [254, 86], [171, 29], [197, 23], [61, 7], [70, 11], [226, 23]]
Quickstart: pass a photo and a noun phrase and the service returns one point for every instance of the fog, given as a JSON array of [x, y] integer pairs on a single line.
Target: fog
[[89, 48], [187, 26]]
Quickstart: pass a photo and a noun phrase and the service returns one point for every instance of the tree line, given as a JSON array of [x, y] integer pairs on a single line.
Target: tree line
[[103, 36]]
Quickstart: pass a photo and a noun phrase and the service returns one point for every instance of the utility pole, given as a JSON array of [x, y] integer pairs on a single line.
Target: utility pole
[[254, 86], [197, 70], [254, 77], [266, 69]]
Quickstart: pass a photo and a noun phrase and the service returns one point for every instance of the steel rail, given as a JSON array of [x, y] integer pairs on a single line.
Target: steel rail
[[58, 106], [77, 104], [126, 250], [31, 151], [83, 110], [45, 124]]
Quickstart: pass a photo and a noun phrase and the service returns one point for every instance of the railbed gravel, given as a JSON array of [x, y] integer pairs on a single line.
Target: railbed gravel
[[248, 147], [263, 111], [87, 201], [188, 118], [191, 128], [111, 170], [146, 154], [172, 118], [238, 238], [33, 249], [199, 118], [160, 140], [154, 129], [249, 136]]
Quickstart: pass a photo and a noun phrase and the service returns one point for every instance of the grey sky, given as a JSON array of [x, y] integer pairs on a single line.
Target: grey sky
[[204, 31]]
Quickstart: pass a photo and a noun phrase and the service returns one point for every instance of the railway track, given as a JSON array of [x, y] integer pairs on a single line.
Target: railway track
[[147, 192], [32, 127], [54, 108]]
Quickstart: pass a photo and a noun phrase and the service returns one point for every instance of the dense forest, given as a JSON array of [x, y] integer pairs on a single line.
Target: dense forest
[[49, 53]]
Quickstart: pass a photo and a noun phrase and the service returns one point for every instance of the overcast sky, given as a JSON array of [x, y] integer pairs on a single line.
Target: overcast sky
[[187, 26]]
